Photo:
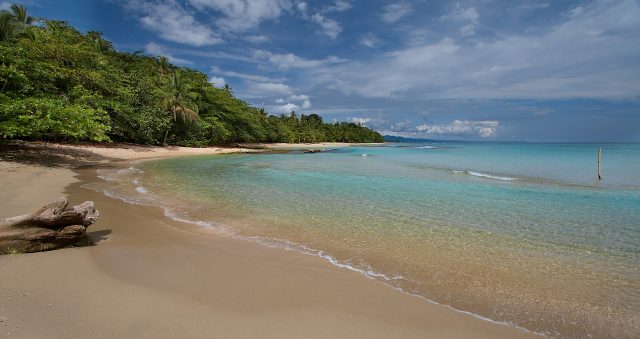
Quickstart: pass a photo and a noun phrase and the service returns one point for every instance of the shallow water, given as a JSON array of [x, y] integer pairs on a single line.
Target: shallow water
[[517, 233]]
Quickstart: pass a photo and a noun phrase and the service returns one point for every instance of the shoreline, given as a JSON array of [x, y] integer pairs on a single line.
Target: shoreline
[[143, 255]]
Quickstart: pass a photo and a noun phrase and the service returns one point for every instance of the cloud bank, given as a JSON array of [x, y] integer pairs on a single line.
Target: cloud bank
[[484, 129], [587, 56]]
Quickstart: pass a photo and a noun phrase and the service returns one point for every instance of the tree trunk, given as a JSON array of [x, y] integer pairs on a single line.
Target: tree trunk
[[50, 227], [164, 140]]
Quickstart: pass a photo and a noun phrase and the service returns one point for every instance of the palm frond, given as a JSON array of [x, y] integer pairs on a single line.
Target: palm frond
[[187, 114], [8, 26], [30, 34], [19, 12], [180, 98]]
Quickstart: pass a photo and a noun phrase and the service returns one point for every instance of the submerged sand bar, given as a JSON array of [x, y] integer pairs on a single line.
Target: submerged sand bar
[[153, 277]]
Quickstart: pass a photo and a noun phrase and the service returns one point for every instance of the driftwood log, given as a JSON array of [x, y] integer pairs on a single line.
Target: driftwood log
[[51, 227]]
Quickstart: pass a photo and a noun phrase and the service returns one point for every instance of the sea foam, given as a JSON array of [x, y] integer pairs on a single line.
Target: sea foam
[[484, 175]]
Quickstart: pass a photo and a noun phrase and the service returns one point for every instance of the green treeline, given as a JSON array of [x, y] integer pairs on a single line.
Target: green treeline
[[59, 84]]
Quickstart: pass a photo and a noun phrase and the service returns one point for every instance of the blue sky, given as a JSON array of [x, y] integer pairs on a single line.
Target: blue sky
[[474, 70]]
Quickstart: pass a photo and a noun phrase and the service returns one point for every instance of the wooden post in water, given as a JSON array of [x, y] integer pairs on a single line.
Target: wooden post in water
[[599, 157]]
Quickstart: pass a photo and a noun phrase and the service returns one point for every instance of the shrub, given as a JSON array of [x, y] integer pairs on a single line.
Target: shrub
[[51, 119]]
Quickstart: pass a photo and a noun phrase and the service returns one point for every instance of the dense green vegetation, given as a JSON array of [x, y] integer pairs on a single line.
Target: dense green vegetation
[[59, 84]]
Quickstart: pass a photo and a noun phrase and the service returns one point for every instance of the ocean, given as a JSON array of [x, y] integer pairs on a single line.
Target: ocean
[[519, 233]]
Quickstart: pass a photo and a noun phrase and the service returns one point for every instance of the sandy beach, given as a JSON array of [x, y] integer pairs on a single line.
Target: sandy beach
[[152, 277]]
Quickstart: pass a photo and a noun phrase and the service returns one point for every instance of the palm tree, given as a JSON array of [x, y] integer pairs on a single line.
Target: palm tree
[[179, 100], [19, 12], [8, 26], [164, 67], [227, 88], [16, 23], [100, 44]]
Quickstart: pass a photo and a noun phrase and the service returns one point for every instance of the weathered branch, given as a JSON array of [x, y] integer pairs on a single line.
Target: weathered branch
[[50, 227]]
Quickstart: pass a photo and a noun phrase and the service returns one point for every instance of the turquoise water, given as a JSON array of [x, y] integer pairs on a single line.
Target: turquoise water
[[518, 233]]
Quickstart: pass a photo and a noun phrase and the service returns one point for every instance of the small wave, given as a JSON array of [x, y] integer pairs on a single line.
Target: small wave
[[129, 170], [426, 147], [105, 178], [286, 245], [116, 195], [484, 175], [210, 225]]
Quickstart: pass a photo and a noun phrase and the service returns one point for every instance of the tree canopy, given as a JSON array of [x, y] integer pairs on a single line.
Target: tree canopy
[[59, 84]]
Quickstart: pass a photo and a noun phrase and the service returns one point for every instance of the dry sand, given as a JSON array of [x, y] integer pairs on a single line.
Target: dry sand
[[152, 277], [25, 187]]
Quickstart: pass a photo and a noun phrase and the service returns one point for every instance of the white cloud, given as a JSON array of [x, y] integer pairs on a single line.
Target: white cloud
[[487, 132], [289, 60], [592, 54], [300, 97], [470, 14], [242, 15], [159, 50], [174, 23], [369, 40], [344, 110], [576, 11], [302, 7], [287, 108], [257, 39], [467, 30], [303, 100], [418, 37], [467, 17], [535, 5], [394, 12], [217, 82], [329, 27], [268, 88], [339, 6], [360, 121], [401, 125], [245, 76], [484, 129]]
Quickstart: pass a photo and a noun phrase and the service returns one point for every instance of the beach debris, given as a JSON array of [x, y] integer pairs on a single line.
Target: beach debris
[[50, 227]]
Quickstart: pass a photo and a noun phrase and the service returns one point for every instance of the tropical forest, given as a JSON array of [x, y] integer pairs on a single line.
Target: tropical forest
[[60, 84]]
